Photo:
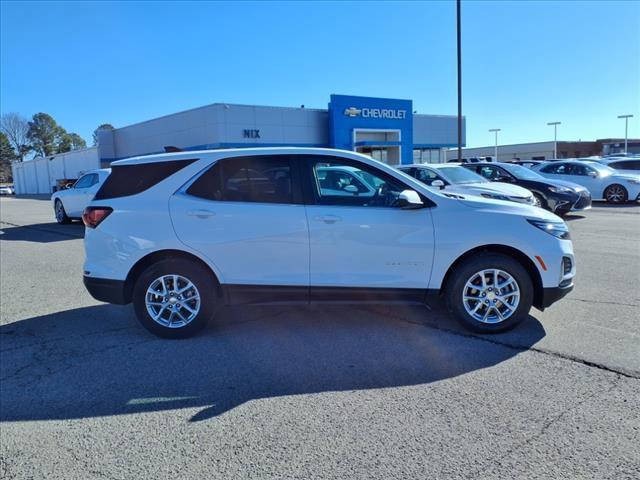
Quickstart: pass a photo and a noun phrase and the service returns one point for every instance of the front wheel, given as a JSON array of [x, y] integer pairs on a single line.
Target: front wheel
[[490, 293], [539, 201], [175, 298], [616, 194], [61, 214]]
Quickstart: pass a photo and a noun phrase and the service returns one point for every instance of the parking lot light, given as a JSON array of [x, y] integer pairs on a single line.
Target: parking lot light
[[626, 129], [495, 130], [555, 138]]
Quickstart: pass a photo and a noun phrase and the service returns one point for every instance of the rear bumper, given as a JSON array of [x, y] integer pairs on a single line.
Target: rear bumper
[[552, 295], [106, 290]]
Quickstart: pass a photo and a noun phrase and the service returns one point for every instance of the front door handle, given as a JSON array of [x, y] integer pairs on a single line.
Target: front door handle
[[328, 218], [201, 213]]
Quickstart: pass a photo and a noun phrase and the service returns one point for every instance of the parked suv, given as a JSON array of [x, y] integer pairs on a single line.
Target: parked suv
[[180, 234]]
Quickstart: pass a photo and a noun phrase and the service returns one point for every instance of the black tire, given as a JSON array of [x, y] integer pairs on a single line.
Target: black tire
[[616, 193], [541, 201], [60, 213], [467, 269], [203, 280]]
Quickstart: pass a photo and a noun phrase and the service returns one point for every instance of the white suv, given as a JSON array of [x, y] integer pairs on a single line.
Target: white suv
[[180, 234]]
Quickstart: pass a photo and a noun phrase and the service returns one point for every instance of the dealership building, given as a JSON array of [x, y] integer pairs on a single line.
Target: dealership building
[[387, 129]]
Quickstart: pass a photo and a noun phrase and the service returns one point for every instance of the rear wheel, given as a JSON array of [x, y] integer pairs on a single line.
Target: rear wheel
[[490, 293], [616, 194], [61, 215], [175, 298]]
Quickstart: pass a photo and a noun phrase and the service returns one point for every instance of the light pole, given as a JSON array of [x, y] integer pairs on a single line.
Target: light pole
[[495, 130], [459, 55], [555, 138], [626, 129]]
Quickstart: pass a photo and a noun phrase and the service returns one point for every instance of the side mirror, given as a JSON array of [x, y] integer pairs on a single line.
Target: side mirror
[[351, 189], [68, 186], [592, 174], [409, 199], [438, 183]]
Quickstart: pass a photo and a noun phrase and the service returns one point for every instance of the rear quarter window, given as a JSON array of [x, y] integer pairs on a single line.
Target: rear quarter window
[[126, 180]]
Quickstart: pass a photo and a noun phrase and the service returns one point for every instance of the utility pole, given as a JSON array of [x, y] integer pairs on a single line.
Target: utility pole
[[555, 138], [626, 129], [459, 81], [495, 130]]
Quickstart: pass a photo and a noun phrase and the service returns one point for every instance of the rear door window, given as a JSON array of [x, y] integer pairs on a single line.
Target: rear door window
[[257, 179], [557, 169]]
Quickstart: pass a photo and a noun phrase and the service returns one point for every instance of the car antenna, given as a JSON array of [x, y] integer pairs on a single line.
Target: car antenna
[[172, 149]]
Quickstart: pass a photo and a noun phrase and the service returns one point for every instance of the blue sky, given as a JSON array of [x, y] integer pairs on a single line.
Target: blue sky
[[525, 63]]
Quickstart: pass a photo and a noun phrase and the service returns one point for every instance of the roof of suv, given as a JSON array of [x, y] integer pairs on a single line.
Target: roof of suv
[[166, 157]]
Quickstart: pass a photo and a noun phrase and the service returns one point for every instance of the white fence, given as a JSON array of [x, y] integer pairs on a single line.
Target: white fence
[[40, 174]]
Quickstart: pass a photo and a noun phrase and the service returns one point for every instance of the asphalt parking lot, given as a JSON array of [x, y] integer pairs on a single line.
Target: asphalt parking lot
[[317, 392]]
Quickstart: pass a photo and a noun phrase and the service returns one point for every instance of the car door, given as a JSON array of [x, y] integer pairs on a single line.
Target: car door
[[586, 176], [80, 194], [246, 215], [361, 241]]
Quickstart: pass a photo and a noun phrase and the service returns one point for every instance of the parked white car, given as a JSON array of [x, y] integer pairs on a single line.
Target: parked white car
[[7, 190], [180, 234], [622, 165], [69, 203], [603, 183], [457, 179]]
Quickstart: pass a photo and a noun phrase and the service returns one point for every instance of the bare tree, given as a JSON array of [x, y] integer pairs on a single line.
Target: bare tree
[[15, 127]]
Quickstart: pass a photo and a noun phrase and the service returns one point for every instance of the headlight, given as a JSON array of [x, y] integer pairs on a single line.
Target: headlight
[[634, 181], [557, 229], [559, 189], [496, 196]]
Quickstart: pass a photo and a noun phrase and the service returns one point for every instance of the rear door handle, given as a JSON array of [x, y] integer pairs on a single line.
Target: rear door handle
[[328, 218], [201, 213]]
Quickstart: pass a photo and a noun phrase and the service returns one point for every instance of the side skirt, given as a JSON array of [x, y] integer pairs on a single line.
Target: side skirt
[[279, 294]]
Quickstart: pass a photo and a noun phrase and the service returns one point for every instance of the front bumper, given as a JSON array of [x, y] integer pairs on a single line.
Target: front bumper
[[574, 202], [583, 203], [552, 295], [106, 290]]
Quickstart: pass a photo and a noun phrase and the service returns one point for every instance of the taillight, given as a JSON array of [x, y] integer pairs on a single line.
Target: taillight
[[93, 216]]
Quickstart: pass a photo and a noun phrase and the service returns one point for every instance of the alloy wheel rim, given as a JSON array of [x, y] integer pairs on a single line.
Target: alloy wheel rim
[[491, 296], [172, 301], [615, 194]]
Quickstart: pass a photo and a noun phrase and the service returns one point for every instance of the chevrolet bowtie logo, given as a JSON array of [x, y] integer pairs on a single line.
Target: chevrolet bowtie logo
[[352, 112]]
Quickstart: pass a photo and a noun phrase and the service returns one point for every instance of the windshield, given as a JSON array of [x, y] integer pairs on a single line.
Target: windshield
[[602, 169], [522, 173], [460, 175]]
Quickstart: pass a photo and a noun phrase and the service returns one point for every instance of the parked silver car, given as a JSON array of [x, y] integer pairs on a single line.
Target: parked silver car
[[457, 179]]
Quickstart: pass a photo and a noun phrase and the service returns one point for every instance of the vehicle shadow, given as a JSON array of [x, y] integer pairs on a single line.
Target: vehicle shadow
[[97, 361], [631, 204], [570, 217], [35, 196], [42, 232]]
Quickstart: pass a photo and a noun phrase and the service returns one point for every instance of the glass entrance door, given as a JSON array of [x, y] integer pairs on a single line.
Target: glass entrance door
[[386, 154]]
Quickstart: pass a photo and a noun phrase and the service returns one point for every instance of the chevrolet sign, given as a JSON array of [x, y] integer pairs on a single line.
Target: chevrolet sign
[[387, 113], [352, 112]]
